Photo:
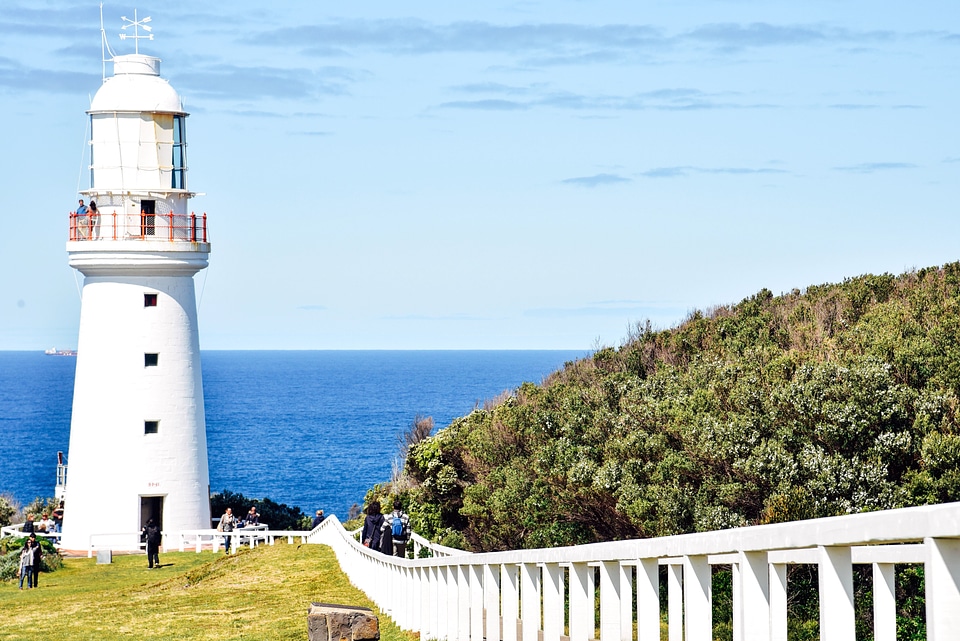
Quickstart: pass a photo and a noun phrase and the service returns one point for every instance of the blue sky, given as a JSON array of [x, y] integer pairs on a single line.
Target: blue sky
[[512, 175]]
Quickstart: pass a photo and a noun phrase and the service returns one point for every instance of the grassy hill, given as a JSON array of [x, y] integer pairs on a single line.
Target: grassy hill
[[837, 399], [258, 594]]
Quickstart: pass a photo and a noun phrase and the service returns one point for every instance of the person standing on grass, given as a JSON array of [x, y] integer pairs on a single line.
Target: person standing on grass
[[37, 557], [227, 523], [151, 534], [26, 564]]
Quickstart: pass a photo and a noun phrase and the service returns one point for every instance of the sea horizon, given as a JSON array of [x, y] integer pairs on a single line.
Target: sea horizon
[[309, 428]]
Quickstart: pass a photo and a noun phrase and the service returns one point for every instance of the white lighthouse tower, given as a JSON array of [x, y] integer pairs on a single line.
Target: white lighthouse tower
[[138, 447]]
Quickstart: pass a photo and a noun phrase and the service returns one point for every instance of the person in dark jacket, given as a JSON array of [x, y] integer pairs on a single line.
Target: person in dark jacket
[[151, 534], [371, 526], [37, 557], [318, 519]]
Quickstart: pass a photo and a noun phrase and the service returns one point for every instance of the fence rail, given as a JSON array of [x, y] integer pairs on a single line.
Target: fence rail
[[113, 226], [526, 595]]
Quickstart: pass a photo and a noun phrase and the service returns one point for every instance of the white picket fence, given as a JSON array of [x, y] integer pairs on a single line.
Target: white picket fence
[[520, 595]]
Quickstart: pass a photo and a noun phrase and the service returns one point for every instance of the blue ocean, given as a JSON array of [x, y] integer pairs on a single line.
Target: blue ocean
[[313, 429]]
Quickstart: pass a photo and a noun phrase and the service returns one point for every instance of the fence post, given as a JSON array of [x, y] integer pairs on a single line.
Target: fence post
[[697, 606], [942, 586], [626, 602], [884, 602], [675, 601], [491, 602], [609, 601], [752, 617], [648, 600], [463, 603], [510, 601], [529, 601], [476, 602], [836, 594], [581, 605], [552, 602]]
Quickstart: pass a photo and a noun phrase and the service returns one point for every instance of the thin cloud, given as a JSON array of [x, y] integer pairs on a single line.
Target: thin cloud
[[625, 308], [439, 317], [492, 87], [597, 180], [21, 78], [552, 44], [485, 105], [672, 99], [313, 308], [680, 171], [232, 82], [871, 167], [734, 36], [409, 36]]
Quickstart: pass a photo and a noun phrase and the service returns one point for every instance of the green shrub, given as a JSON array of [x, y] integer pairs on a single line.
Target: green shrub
[[279, 516]]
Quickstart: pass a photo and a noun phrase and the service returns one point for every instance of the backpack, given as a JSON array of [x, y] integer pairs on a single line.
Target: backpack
[[397, 529]]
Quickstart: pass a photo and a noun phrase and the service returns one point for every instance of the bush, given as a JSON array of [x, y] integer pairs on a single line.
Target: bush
[[10, 557], [279, 516], [8, 508]]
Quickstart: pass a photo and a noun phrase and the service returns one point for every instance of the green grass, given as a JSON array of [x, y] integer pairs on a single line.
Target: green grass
[[256, 594]]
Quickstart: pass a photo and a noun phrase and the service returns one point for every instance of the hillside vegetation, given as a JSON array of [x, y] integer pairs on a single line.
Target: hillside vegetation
[[838, 399]]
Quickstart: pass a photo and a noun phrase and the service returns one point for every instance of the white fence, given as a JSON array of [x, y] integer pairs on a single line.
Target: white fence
[[521, 595]]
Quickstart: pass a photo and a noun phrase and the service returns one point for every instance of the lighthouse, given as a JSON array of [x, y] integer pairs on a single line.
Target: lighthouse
[[138, 446]]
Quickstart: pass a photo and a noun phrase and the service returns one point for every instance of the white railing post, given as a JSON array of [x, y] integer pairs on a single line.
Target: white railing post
[[463, 603], [675, 602], [884, 602], [648, 600], [609, 601], [552, 602], [510, 601], [626, 602], [476, 602], [452, 612], [581, 605], [697, 603], [751, 613], [491, 602], [413, 601], [778, 601], [942, 585], [416, 598], [441, 629], [529, 601], [428, 628], [836, 594]]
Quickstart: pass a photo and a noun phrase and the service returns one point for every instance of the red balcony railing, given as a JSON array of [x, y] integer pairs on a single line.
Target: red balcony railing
[[113, 226]]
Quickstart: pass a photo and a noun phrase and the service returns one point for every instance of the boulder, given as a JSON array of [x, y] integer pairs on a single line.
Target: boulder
[[331, 622]]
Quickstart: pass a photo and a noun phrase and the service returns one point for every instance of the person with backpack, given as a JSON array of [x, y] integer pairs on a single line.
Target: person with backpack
[[152, 536], [396, 527]]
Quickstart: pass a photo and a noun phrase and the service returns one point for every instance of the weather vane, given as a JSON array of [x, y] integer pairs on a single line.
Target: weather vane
[[137, 25]]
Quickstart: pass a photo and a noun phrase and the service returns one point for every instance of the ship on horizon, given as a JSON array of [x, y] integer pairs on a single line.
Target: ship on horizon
[[53, 351]]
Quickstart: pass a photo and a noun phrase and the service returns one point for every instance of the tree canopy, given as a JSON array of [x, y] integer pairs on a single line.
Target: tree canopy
[[837, 399]]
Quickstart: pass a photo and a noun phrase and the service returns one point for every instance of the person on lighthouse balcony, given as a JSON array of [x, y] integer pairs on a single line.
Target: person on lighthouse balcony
[[82, 219]]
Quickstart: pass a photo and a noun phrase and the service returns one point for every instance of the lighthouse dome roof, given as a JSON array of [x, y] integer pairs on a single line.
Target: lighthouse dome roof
[[136, 85]]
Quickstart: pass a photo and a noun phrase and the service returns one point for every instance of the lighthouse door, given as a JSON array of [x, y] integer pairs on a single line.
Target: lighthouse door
[[151, 507], [148, 211]]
